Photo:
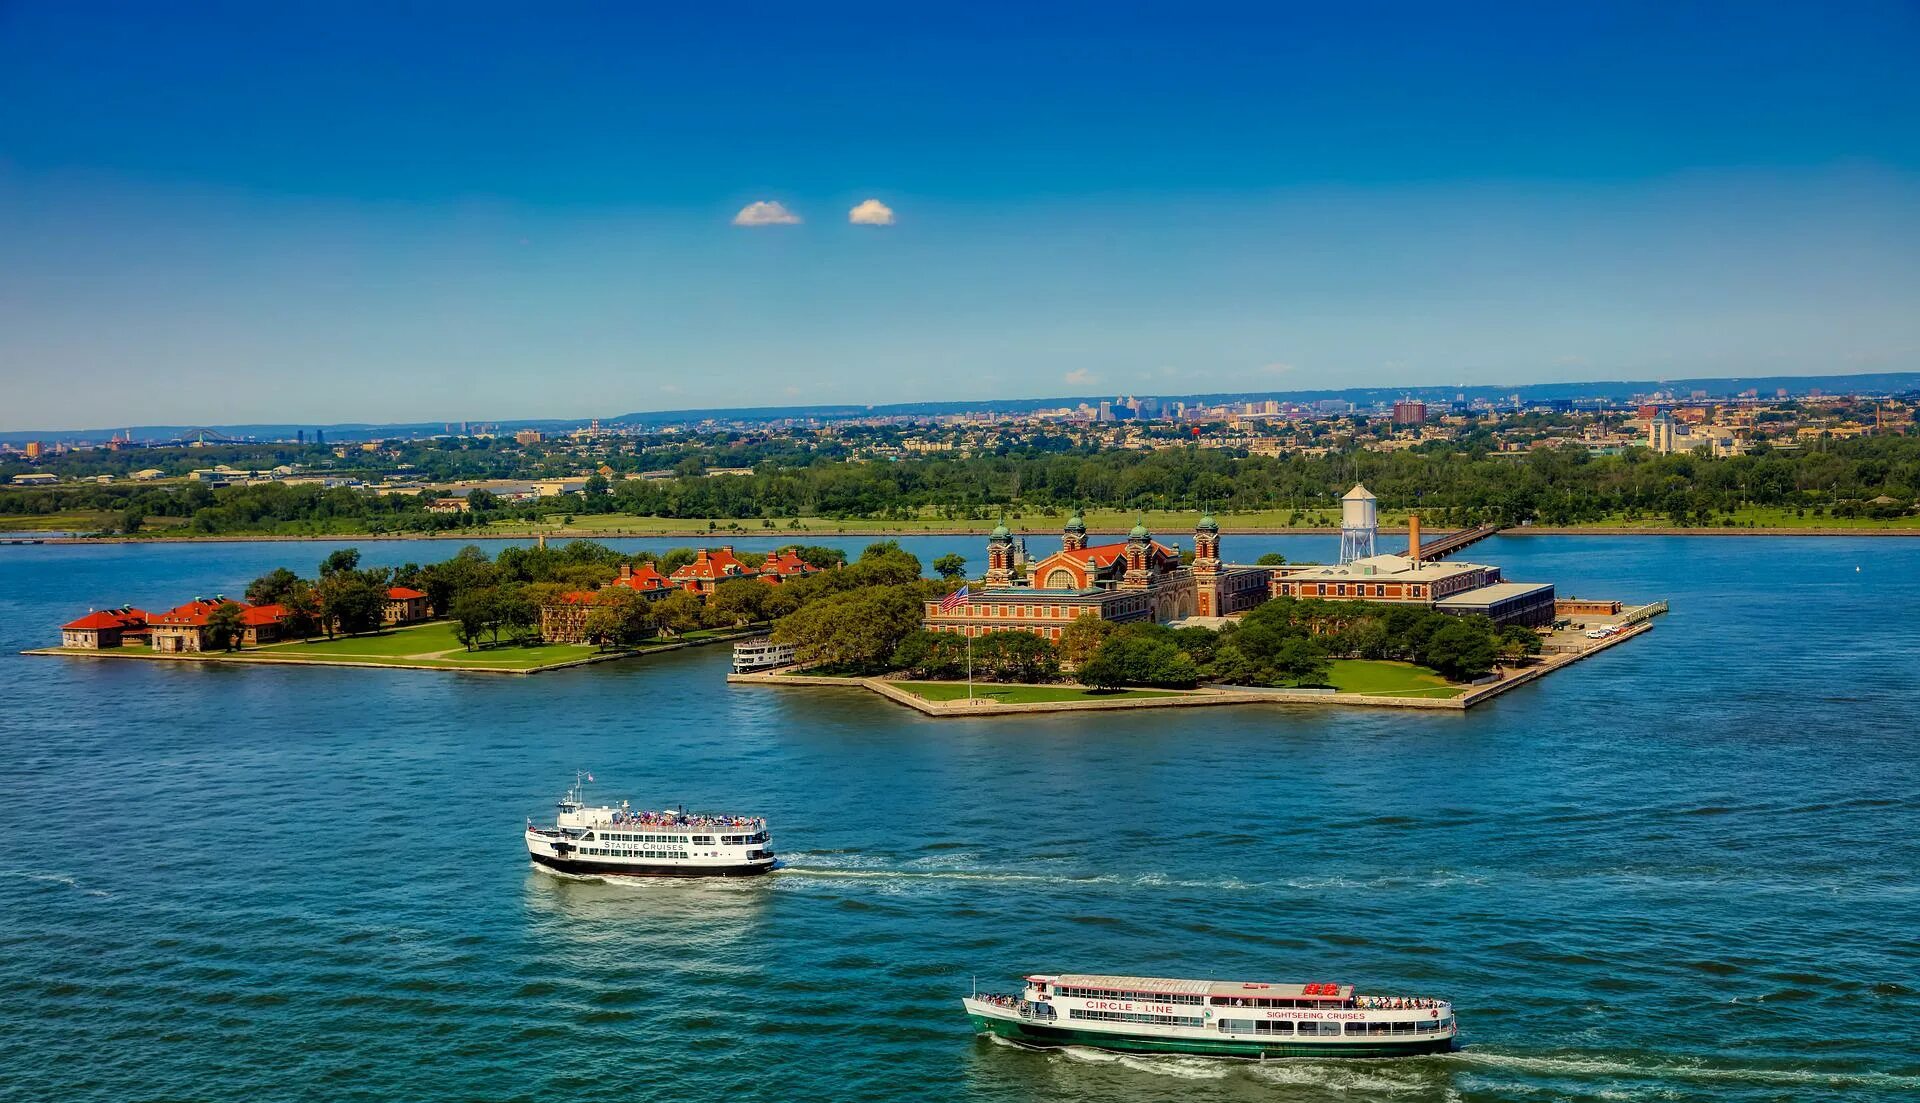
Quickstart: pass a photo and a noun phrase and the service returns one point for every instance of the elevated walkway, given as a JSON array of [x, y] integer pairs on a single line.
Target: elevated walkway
[[1442, 546]]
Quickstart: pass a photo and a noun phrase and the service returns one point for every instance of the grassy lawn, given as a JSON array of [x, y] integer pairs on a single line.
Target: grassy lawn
[[430, 645], [1388, 679], [1022, 695]]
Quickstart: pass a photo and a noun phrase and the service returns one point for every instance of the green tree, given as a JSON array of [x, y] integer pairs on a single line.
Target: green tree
[[341, 561], [271, 587], [855, 630], [302, 609], [226, 626], [1460, 651], [619, 618], [739, 601], [352, 604], [1271, 559], [952, 566], [132, 520], [1080, 638], [1015, 657], [481, 500], [476, 615], [679, 612]]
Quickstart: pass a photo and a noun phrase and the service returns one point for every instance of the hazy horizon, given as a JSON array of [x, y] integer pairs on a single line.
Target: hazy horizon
[[363, 216]]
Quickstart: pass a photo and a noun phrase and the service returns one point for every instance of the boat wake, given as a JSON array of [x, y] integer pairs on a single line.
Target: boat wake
[[1613, 1068], [52, 879]]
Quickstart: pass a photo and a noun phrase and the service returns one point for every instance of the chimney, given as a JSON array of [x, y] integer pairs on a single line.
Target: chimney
[[1413, 538], [626, 570], [700, 555]]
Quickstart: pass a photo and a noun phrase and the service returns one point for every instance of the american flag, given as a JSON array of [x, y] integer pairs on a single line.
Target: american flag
[[952, 601]]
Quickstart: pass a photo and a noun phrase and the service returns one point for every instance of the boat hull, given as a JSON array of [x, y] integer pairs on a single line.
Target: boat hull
[[1043, 1036], [587, 868]]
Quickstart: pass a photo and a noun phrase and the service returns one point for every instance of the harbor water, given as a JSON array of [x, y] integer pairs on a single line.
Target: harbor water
[[1685, 868]]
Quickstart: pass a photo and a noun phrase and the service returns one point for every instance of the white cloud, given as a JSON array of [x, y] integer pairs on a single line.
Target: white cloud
[[766, 212], [1079, 377], [871, 212], [1278, 367]]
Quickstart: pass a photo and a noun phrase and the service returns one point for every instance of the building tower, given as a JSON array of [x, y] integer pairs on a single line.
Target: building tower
[[1660, 433], [1139, 574], [1359, 523], [1074, 537], [1206, 566], [1000, 556]]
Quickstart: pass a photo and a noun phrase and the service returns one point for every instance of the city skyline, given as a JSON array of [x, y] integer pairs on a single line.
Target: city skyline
[[409, 220]]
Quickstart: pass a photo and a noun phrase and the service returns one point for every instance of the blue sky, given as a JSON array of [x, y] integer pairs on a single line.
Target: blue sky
[[232, 213]]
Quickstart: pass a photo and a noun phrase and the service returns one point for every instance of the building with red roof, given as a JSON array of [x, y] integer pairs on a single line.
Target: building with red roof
[[783, 565], [104, 628], [710, 567], [645, 580], [404, 605], [188, 628], [565, 619]]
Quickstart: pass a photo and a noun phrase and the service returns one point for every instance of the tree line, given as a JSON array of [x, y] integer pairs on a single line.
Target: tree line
[[1448, 483], [1284, 642]]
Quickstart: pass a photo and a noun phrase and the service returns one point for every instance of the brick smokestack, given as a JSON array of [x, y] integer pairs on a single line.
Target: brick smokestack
[[1413, 537]]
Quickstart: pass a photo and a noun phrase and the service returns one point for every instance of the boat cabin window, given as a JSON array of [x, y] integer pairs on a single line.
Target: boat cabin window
[[1319, 1028], [1117, 994], [703, 840]]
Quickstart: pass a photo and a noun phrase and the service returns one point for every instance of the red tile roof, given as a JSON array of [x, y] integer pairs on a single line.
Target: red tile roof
[[109, 618], [643, 577], [262, 614], [787, 563], [191, 615], [713, 565], [403, 593]]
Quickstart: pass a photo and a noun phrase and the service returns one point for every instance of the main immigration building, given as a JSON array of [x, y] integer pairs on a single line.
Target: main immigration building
[[1141, 578]]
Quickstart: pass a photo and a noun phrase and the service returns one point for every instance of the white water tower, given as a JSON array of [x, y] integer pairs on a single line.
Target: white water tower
[[1359, 523]]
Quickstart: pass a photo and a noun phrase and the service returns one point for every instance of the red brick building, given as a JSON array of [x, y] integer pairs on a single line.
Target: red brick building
[[104, 628]]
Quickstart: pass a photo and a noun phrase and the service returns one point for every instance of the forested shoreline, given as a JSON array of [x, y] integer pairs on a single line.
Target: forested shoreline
[[1862, 478]]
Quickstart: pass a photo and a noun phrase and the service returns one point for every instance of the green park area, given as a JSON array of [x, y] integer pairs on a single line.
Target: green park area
[[435, 645], [1388, 679], [1024, 695], [426, 645]]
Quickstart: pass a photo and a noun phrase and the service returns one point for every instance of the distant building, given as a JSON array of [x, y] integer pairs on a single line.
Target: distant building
[[37, 478], [449, 505], [1409, 412], [528, 436], [1660, 433], [33, 449], [1132, 580]]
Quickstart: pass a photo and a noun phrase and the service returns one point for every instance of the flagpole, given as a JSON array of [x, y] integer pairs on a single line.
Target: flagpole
[[969, 664]]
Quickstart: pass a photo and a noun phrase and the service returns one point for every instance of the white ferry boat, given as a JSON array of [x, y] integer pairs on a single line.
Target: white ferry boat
[[1213, 1018], [608, 841], [761, 654]]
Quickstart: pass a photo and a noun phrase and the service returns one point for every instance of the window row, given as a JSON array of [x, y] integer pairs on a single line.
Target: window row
[[1128, 1017], [617, 837], [1118, 994], [1243, 1001], [742, 840], [626, 852], [1422, 1026]]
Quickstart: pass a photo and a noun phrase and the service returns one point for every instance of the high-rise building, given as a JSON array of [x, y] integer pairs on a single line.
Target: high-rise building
[[1660, 433], [1409, 412], [33, 449]]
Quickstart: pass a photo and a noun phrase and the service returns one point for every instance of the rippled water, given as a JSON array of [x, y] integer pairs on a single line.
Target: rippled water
[[1683, 869]]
